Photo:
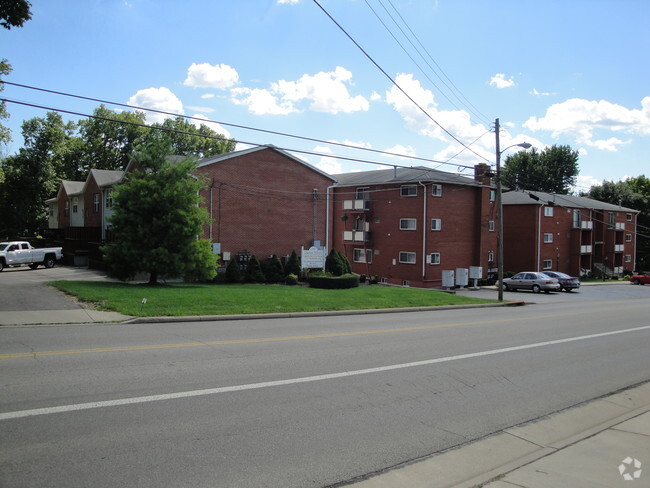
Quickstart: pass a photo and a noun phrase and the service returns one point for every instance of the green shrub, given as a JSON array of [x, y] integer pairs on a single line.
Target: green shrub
[[233, 272], [274, 272], [291, 279], [254, 272], [334, 282], [293, 264]]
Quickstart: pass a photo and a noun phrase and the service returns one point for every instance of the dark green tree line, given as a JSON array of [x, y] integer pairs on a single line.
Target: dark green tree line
[[553, 170]]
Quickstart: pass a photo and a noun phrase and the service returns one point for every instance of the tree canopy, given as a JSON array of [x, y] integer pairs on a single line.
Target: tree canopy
[[157, 218], [14, 13], [553, 170]]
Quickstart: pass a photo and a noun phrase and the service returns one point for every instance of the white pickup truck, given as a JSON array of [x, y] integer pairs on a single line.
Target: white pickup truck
[[19, 253]]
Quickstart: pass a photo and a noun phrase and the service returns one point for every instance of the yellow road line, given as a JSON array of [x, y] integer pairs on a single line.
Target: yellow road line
[[280, 339]]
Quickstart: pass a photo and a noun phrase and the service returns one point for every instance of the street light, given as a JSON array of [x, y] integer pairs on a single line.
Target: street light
[[525, 145]]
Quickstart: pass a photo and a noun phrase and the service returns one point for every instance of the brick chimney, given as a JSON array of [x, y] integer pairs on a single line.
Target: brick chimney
[[483, 173]]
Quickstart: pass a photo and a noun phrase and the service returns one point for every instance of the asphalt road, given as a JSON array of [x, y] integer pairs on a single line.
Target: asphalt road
[[301, 402]]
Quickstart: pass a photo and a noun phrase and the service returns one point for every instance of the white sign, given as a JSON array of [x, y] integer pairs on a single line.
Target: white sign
[[313, 257]]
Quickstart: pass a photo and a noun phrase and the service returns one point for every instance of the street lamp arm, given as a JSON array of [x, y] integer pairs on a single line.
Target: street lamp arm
[[525, 145]]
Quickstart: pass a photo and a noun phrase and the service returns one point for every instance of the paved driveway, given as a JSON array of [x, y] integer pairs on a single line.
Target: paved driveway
[[25, 289]]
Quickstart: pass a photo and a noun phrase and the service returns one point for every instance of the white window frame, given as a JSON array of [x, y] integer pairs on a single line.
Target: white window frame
[[109, 198], [434, 258], [75, 205], [436, 224], [628, 217], [96, 202], [405, 255], [548, 211], [548, 264], [362, 193], [491, 226], [490, 256], [548, 237], [628, 258], [436, 190], [628, 237], [408, 191], [406, 283], [404, 224], [493, 195], [360, 255]]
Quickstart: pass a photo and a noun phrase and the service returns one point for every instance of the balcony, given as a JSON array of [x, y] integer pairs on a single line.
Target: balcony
[[619, 226], [585, 250], [586, 225], [356, 236], [356, 205], [619, 247]]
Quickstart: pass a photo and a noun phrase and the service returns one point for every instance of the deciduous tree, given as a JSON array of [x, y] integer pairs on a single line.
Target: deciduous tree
[[554, 170]]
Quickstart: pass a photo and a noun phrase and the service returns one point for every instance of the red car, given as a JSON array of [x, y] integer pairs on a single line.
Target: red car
[[641, 279]]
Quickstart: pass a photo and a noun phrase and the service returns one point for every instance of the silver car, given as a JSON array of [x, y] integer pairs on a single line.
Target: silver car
[[532, 280], [567, 283]]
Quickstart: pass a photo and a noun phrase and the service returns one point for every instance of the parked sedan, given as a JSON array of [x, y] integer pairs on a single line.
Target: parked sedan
[[567, 283], [641, 279], [531, 280]]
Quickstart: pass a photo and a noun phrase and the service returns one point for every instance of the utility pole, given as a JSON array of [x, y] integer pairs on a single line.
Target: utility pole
[[499, 215]]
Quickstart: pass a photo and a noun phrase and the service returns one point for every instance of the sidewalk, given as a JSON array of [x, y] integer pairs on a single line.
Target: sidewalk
[[54, 317], [604, 444]]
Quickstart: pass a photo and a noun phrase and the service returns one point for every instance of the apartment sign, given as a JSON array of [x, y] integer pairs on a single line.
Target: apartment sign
[[313, 258]]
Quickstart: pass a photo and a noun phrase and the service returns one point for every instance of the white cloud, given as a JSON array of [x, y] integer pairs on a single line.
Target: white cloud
[[288, 2], [330, 165], [325, 92], [261, 102], [218, 128], [374, 96], [499, 80], [158, 99], [541, 94], [584, 182], [205, 75], [457, 122], [207, 96], [580, 119], [400, 149]]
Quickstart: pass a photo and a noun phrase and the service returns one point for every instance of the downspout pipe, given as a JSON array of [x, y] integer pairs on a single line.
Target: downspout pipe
[[327, 217], [424, 231]]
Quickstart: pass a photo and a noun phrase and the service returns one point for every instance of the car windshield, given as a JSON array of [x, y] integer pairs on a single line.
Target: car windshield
[[556, 274], [3, 246], [543, 276]]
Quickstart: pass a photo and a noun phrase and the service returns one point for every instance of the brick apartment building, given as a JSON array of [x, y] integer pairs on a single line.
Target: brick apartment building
[[263, 201], [407, 225], [574, 235]]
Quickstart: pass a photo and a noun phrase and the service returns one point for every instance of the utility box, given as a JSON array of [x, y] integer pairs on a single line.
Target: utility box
[[462, 277], [448, 278], [476, 272]]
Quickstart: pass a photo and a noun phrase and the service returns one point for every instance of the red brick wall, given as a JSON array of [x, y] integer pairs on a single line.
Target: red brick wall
[[92, 218], [463, 240], [263, 202]]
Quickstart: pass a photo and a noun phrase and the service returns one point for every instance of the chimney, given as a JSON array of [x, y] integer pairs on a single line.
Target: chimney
[[482, 173]]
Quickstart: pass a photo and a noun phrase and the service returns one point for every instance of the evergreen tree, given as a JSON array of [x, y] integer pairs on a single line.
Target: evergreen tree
[[156, 220], [274, 272], [233, 272], [293, 264], [333, 263], [254, 271]]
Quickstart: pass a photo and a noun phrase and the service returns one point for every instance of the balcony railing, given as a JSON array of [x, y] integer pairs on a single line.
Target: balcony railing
[[359, 205], [585, 250], [619, 247], [620, 226], [586, 225], [356, 236]]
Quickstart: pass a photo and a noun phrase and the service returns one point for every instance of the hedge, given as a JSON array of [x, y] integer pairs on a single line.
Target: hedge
[[334, 282]]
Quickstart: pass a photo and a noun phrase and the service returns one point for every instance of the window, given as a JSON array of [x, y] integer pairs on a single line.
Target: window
[[491, 225], [493, 195], [362, 256], [436, 224], [363, 193], [66, 209], [434, 258], [611, 220], [408, 191], [628, 237], [548, 211], [75, 204], [96, 202], [406, 283], [628, 217], [548, 238], [577, 217], [407, 224], [628, 258], [383, 280], [490, 256], [436, 190], [109, 198], [407, 257], [548, 263]]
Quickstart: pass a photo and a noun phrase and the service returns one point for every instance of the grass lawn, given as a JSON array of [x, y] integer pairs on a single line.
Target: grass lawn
[[203, 299]]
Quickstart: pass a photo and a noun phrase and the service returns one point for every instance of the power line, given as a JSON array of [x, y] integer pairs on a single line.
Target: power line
[[238, 126], [395, 83], [299, 151]]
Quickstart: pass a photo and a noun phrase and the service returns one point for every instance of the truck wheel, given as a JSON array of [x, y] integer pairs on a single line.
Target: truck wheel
[[33, 266], [48, 262]]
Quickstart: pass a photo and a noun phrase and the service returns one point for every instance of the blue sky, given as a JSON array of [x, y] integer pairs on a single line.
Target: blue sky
[[554, 72]]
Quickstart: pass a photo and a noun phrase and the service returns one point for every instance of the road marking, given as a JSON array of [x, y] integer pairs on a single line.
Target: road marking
[[147, 347], [292, 381]]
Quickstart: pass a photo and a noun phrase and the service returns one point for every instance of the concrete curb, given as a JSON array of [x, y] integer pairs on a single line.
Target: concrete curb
[[211, 318]]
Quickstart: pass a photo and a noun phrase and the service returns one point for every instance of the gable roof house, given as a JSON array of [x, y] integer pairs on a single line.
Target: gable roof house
[[407, 225], [574, 235]]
